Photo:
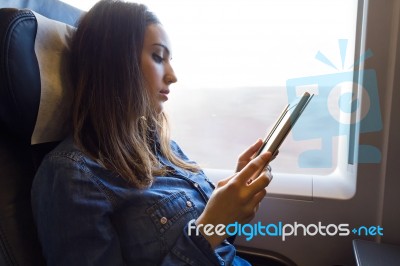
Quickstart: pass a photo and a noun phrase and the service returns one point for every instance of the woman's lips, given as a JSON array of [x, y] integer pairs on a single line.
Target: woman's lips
[[164, 94]]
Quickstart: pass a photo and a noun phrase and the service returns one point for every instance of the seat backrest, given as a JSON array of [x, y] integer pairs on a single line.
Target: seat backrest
[[52, 9], [32, 66]]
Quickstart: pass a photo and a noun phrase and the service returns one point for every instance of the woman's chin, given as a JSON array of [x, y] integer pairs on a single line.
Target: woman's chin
[[159, 107]]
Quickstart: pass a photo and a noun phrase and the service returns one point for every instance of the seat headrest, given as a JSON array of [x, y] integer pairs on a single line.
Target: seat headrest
[[35, 89]]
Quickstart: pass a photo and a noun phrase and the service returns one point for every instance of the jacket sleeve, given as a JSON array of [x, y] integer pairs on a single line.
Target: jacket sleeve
[[72, 212], [72, 216]]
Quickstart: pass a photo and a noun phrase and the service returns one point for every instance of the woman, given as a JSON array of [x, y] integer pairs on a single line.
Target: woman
[[119, 191]]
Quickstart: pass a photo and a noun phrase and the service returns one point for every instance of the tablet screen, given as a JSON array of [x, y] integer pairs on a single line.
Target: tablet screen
[[284, 124]]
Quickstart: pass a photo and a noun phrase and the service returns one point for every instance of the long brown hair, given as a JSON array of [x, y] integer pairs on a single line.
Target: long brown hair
[[113, 119]]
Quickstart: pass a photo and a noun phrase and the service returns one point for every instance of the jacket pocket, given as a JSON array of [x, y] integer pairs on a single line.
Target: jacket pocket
[[172, 212]]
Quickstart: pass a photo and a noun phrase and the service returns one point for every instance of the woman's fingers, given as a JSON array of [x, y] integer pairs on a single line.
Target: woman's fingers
[[254, 205], [256, 200], [223, 182], [260, 183], [251, 150], [246, 156], [253, 168]]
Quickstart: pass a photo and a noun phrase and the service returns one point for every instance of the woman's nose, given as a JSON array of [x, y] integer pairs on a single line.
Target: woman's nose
[[170, 77]]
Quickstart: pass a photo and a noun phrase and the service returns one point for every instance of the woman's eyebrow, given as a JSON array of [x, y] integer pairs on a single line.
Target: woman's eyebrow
[[163, 46]]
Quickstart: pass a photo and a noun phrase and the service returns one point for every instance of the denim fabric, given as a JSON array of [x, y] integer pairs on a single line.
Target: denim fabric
[[87, 215]]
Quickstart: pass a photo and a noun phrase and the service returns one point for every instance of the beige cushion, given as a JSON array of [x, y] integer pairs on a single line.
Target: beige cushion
[[52, 49]]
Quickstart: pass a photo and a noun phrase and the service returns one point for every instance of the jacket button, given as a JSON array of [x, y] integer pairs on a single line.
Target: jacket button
[[163, 220], [196, 185], [189, 203]]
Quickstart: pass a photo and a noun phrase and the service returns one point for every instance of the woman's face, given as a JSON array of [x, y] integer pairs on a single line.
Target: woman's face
[[156, 64]]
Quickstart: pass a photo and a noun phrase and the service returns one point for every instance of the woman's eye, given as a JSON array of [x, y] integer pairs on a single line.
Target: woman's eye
[[157, 58]]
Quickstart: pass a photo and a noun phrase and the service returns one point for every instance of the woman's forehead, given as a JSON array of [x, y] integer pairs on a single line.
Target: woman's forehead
[[156, 35]]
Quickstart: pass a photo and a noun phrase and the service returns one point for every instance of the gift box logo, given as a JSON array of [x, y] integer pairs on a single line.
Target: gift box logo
[[333, 111]]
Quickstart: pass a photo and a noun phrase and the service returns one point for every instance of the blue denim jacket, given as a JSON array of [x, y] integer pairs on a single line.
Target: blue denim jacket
[[87, 215]]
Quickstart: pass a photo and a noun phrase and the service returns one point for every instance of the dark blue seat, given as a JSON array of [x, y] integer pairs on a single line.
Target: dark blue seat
[[20, 94]]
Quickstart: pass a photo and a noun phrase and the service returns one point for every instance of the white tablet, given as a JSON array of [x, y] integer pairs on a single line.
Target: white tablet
[[284, 124]]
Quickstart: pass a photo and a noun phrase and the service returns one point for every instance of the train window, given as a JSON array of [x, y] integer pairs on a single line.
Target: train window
[[240, 62]]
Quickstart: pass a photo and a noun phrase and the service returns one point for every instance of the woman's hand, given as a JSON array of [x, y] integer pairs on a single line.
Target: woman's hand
[[236, 198], [247, 155]]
